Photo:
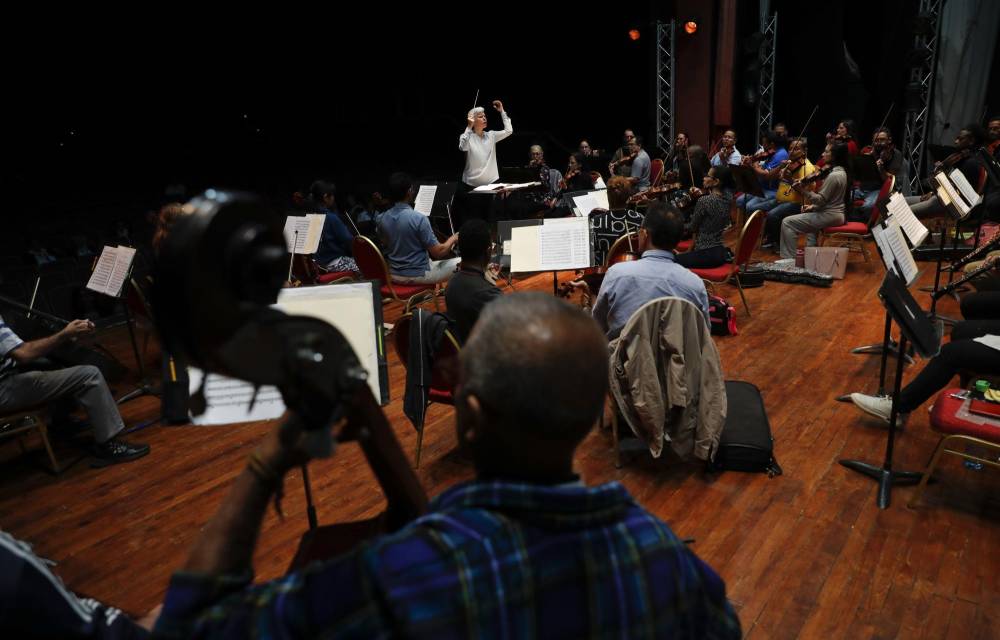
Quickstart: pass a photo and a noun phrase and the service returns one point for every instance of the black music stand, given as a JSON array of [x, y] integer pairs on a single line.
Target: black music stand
[[144, 388], [917, 328], [443, 199]]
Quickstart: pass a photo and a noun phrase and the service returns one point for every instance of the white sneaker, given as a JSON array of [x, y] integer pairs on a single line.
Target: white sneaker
[[878, 406]]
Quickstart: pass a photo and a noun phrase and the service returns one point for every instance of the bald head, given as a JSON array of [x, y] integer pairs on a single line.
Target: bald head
[[539, 368]]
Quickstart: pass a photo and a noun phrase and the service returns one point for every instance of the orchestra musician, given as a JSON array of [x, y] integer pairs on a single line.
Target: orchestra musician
[[728, 153], [993, 136], [710, 220], [969, 138], [676, 159], [620, 160], [766, 165], [789, 200], [577, 178], [822, 208], [845, 134], [889, 161]]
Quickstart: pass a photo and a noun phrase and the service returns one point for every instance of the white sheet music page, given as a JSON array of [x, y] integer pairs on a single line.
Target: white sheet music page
[[227, 400], [425, 199], [904, 258], [316, 223], [586, 203], [901, 212], [119, 273], [956, 200], [967, 190], [102, 270], [565, 245], [599, 183], [296, 243], [524, 249]]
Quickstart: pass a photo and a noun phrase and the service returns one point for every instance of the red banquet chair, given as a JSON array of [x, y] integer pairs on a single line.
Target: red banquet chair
[[730, 272], [373, 266]]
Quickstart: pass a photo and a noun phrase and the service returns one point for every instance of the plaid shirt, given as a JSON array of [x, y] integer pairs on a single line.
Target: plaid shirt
[[490, 560]]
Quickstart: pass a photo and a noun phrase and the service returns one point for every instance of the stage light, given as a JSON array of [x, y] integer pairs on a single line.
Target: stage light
[[690, 27], [633, 34]]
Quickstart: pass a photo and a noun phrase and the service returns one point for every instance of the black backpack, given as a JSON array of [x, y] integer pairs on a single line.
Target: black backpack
[[722, 317], [746, 443]]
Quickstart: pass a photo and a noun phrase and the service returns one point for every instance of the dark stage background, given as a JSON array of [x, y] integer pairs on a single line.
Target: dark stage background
[[106, 114]]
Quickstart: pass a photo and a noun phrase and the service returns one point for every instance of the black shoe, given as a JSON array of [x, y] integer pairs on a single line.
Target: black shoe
[[116, 450]]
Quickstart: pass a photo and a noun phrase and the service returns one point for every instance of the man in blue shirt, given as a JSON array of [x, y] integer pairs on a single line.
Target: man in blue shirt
[[526, 550], [767, 174], [414, 254], [629, 285]]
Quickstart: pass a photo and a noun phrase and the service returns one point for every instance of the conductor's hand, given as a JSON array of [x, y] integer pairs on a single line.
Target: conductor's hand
[[77, 328], [498, 105], [470, 122]]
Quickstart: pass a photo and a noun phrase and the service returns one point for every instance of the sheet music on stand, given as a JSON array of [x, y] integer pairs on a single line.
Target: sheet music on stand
[[506, 186], [557, 245], [585, 203], [303, 233], [967, 190], [951, 198], [915, 230], [424, 201], [895, 254], [112, 270]]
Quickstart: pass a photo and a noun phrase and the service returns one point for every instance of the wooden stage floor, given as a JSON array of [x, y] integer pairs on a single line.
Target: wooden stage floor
[[806, 554]]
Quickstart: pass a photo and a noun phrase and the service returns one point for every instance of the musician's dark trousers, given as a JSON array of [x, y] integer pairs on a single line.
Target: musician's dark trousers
[[84, 383], [962, 352]]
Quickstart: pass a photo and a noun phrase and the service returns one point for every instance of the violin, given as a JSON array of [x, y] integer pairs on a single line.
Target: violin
[[884, 152], [790, 167], [650, 193], [959, 156], [814, 176], [760, 156], [624, 160], [564, 183]]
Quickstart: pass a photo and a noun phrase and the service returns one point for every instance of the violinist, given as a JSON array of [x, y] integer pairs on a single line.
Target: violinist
[[993, 136], [585, 148], [766, 165], [710, 220], [527, 202], [845, 135], [676, 158], [889, 161], [577, 178], [823, 208], [789, 201], [621, 159], [334, 252], [641, 165], [970, 137], [728, 153]]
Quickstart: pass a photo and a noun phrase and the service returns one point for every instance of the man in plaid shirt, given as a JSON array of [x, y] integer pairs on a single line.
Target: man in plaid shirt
[[524, 551]]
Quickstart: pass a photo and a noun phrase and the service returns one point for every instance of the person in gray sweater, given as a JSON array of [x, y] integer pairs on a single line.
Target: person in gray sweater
[[821, 209]]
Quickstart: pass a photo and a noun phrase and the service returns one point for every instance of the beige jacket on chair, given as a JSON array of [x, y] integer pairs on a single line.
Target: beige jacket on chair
[[666, 378]]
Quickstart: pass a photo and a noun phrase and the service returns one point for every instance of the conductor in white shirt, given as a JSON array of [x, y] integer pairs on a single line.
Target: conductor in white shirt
[[479, 146]]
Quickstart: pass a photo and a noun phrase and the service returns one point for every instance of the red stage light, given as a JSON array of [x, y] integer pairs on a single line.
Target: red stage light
[[633, 34], [690, 27]]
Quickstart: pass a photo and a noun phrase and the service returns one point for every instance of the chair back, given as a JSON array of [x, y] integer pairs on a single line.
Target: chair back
[[444, 371], [981, 182], [370, 260], [749, 237], [655, 172], [883, 198], [621, 246]]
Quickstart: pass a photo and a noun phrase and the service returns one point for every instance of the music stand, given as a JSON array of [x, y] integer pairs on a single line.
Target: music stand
[[504, 234], [443, 199], [144, 388], [915, 327]]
